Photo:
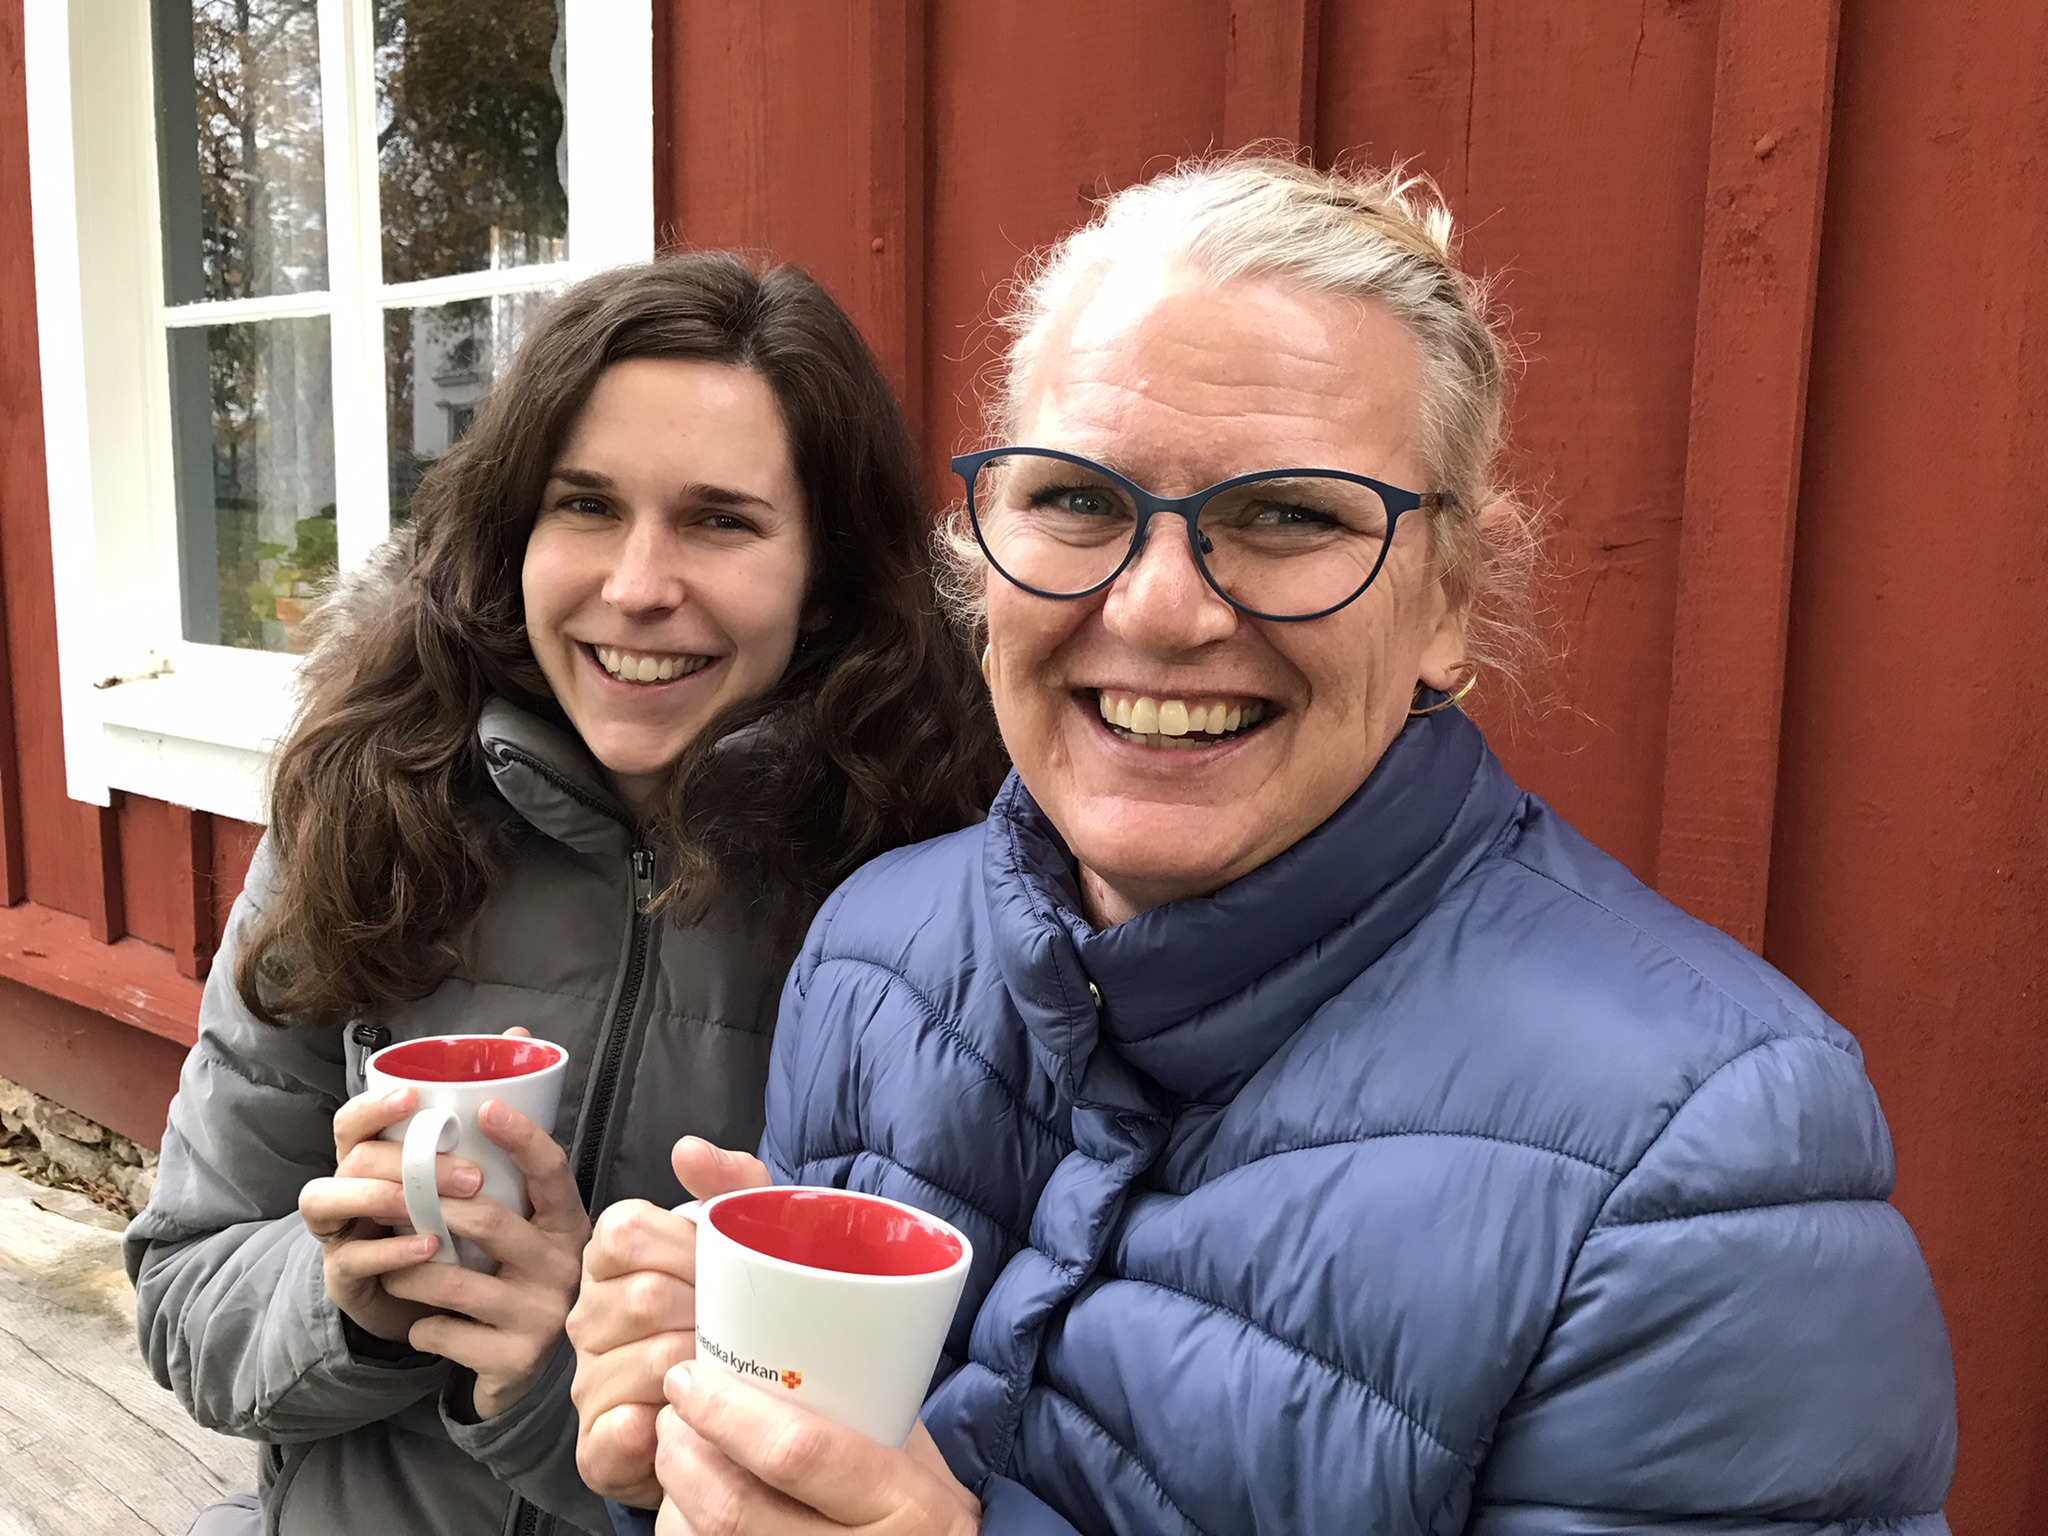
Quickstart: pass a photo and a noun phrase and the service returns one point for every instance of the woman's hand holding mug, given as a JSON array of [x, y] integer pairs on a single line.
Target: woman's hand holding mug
[[504, 1325], [723, 1455], [733, 1458], [356, 1211], [637, 1316]]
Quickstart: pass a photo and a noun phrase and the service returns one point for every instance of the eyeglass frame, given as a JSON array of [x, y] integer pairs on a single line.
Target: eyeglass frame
[[1398, 503]]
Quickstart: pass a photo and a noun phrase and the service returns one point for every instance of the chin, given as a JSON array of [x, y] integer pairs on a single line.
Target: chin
[[1162, 847], [637, 758]]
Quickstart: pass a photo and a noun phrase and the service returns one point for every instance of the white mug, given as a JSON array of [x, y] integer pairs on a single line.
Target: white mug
[[839, 1301], [453, 1076]]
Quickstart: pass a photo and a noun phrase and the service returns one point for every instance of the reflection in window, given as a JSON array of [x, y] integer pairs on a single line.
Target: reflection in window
[[439, 364], [469, 135], [239, 147], [254, 443]]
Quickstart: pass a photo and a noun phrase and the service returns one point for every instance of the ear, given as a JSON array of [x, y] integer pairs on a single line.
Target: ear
[[1444, 657], [1443, 651]]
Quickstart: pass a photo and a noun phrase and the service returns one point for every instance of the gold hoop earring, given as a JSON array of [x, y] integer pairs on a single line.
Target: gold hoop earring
[[1471, 671]]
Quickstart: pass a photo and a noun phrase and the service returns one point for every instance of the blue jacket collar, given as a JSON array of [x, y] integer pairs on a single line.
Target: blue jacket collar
[[1198, 994]]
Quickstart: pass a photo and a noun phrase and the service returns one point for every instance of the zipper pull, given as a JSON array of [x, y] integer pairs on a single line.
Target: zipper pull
[[371, 1037], [643, 880]]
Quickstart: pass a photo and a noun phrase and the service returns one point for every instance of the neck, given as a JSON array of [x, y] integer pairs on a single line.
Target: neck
[[1105, 902], [640, 792]]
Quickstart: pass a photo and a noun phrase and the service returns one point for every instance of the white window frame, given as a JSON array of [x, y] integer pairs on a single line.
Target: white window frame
[[144, 709]]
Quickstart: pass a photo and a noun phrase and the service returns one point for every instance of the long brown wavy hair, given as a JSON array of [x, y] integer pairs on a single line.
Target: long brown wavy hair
[[386, 832]]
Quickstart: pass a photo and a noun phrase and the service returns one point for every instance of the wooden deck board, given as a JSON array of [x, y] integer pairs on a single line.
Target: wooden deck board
[[90, 1445]]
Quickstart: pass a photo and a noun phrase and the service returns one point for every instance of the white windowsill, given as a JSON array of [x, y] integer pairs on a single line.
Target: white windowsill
[[202, 741]]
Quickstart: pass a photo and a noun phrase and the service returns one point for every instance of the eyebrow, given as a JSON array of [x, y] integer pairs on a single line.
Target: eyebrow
[[696, 490]]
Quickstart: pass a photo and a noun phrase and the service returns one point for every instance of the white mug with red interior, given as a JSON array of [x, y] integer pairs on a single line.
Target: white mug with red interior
[[454, 1075], [836, 1300]]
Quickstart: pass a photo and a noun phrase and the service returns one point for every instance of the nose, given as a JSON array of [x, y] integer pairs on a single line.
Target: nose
[[645, 575], [1161, 603]]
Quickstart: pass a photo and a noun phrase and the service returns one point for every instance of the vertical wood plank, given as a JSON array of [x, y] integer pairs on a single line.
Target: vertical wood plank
[[1269, 72], [234, 847], [1766, 179], [48, 847], [889, 45], [105, 909], [192, 931], [13, 857]]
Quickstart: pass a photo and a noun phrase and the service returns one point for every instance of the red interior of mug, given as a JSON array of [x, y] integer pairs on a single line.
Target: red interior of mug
[[828, 1229], [482, 1059]]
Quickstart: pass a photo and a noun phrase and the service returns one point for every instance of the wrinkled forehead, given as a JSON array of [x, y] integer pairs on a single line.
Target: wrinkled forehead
[[1180, 381]]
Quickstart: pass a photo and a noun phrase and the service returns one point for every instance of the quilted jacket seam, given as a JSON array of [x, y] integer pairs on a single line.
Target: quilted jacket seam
[[1656, 1141], [1370, 1389], [946, 1026], [219, 1057], [481, 982], [1424, 1132], [1855, 1525], [1738, 1210], [1775, 1032], [930, 1183], [1137, 1463]]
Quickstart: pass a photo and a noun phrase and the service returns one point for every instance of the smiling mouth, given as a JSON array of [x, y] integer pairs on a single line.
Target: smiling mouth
[[646, 666], [1179, 724]]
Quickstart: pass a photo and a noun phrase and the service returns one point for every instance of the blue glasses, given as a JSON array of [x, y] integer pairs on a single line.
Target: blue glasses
[[1282, 544]]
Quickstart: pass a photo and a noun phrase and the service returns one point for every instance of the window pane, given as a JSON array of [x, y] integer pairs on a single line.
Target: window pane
[[253, 422], [439, 363], [469, 135], [238, 139]]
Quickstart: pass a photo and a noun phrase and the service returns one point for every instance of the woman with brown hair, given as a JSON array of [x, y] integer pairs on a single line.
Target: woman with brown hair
[[659, 666]]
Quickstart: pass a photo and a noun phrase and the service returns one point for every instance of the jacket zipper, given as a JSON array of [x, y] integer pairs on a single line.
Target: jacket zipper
[[526, 1516], [614, 1048], [613, 1051]]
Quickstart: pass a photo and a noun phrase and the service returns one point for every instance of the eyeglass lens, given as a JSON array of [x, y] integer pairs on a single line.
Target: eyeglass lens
[[1285, 545]]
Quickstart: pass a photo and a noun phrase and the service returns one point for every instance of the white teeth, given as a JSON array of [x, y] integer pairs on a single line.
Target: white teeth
[[1175, 722], [629, 667]]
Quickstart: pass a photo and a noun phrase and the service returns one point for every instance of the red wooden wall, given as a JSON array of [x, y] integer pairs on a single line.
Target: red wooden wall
[[1777, 274]]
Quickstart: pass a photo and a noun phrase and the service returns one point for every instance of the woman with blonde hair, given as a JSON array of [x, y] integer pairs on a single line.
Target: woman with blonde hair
[[1346, 1144]]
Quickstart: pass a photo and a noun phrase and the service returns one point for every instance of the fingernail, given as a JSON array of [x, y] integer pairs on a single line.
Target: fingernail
[[467, 1179], [425, 1245], [679, 1381]]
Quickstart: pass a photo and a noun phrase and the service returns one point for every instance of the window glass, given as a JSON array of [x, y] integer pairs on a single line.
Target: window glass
[[254, 445], [440, 362], [240, 150], [469, 135]]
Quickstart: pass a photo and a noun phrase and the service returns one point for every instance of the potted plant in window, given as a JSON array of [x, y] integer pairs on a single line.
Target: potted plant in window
[[298, 571]]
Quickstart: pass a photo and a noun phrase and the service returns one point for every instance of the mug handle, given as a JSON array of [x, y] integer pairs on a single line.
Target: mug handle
[[689, 1210], [432, 1131]]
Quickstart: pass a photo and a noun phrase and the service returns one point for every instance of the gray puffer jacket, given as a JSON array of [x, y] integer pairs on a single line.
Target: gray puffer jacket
[[668, 1031]]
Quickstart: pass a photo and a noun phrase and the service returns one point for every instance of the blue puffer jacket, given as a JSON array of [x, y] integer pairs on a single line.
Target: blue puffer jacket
[[1435, 1177]]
